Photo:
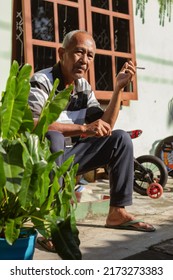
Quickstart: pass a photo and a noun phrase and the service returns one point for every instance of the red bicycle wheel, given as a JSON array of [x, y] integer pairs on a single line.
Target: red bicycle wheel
[[154, 190]]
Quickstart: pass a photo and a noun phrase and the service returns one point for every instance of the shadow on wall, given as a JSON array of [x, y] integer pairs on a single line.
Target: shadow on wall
[[170, 111], [169, 122], [153, 147]]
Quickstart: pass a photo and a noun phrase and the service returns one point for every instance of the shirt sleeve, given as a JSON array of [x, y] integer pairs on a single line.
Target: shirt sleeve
[[39, 92]]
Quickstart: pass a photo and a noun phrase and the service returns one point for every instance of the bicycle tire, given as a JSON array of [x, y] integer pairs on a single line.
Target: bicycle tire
[[156, 169], [164, 151]]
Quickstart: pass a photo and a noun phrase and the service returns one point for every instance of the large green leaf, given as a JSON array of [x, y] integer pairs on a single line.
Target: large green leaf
[[33, 146], [66, 241], [52, 109], [58, 104], [68, 193], [36, 177], [65, 166], [12, 230], [12, 165], [14, 175], [13, 178], [7, 106], [2, 177], [27, 122], [14, 103], [26, 192], [49, 178], [14, 69], [24, 72]]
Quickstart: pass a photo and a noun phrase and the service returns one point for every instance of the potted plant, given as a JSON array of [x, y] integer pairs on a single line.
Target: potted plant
[[29, 187]]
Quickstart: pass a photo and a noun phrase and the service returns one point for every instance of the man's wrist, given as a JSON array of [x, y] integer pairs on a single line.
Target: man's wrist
[[118, 90], [83, 128]]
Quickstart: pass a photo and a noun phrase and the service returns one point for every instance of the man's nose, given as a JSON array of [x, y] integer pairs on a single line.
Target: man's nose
[[84, 58]]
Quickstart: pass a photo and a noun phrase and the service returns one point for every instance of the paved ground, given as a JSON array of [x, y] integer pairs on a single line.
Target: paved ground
[[99, 243]]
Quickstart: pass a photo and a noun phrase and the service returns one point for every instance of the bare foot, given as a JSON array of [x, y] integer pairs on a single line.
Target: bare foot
[[118, 216]]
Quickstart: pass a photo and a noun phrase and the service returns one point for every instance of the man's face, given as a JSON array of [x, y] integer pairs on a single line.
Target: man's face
[[77, 57]]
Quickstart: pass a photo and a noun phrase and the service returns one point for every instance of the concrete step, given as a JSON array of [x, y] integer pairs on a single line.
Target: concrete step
[[93, 199]]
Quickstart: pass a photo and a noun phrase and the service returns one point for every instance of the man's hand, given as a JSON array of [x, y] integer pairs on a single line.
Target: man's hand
[[125, 75], [98, 128]]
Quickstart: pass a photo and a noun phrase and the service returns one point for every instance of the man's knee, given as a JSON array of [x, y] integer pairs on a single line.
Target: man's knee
[[57, 140], [123, 137]]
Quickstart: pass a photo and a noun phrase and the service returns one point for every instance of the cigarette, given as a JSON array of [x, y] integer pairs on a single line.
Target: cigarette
[[138, 67]]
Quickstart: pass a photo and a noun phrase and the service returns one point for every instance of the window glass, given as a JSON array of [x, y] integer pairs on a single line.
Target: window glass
[[120, 6], [67, 20], [42, 20], [44, 57], [103, 75], [101, 31], [121, 35], [103, 4]]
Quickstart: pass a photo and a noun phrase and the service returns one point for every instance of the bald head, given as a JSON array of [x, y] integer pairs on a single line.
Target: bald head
[[72, 35]]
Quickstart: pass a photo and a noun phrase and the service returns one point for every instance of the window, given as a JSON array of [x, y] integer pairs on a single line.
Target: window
[[40, 26]]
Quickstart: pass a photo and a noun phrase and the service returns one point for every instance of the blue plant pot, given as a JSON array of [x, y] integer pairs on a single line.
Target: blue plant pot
[[22, 249]]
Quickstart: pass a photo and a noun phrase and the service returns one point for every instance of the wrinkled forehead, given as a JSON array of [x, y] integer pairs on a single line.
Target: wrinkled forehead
[[82, 40]]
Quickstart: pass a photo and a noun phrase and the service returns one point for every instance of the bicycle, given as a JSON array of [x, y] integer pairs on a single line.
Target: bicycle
[[164, 151], [150, 173]]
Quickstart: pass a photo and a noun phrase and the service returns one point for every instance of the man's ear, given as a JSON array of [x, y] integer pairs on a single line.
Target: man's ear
[[61, 52]]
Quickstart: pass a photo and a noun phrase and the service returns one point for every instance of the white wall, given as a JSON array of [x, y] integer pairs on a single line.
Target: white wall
[[155, 84], [6, 39]]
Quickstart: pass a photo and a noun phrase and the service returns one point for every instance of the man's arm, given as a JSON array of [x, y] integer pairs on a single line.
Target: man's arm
[[123, 78], [104, 125], [97, 128]]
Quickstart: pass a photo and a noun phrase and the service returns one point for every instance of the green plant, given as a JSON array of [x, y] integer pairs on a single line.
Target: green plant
[[29, 176], [165, 9]]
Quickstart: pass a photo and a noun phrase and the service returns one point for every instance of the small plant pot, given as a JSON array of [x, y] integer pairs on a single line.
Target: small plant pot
[[22, 249]]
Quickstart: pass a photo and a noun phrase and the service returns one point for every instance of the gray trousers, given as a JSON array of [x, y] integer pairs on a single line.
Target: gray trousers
[[115, 151]]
